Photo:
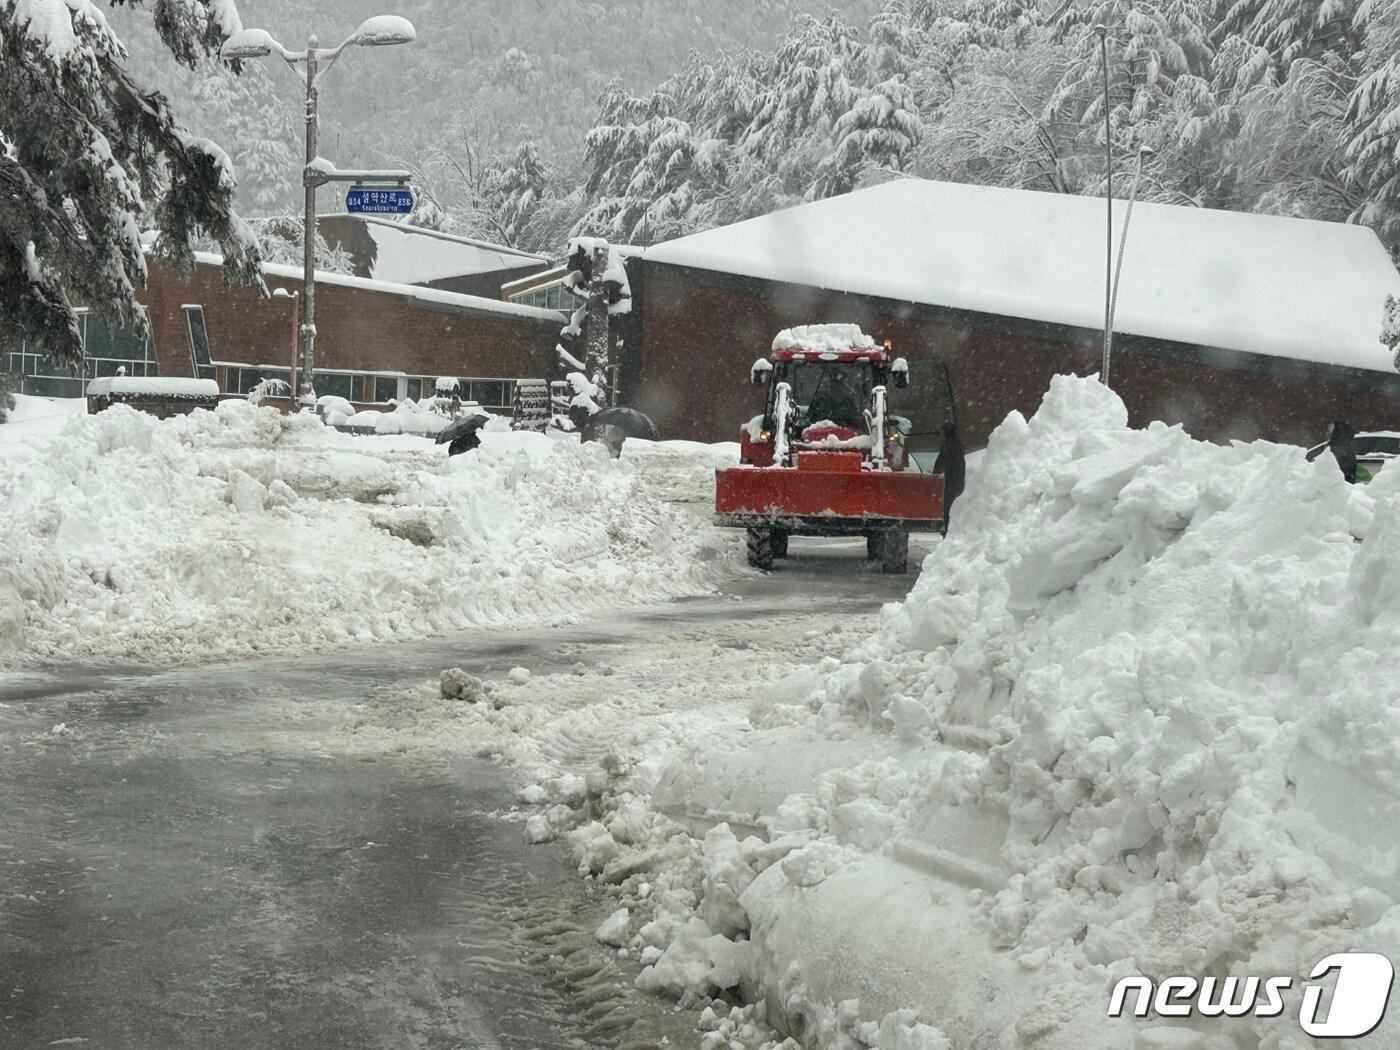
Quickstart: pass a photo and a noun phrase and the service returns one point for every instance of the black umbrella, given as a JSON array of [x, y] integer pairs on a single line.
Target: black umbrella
[[632, 423], [462, 427]]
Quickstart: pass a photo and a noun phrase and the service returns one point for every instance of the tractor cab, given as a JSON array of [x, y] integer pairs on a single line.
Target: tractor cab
[[834, 392], [827, 388]]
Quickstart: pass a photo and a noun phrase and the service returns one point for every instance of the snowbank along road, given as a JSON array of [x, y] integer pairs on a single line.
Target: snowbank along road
[[242, 531]]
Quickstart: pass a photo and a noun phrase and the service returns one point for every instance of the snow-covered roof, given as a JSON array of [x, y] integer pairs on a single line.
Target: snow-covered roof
[[412, 291], [152, 386], [1283, 287], [413, 255]]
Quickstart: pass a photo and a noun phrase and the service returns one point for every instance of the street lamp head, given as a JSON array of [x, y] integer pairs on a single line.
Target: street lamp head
[[249, 43], [382, 31]]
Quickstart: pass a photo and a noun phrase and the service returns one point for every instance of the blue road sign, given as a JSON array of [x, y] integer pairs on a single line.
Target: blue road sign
[[372, 200]]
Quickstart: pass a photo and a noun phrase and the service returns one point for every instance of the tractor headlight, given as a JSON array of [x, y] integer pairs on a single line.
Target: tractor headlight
[[765, 436], [895, 435]]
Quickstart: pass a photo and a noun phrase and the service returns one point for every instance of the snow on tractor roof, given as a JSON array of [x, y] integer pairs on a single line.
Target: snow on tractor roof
[[1261, 284], [823, 338]]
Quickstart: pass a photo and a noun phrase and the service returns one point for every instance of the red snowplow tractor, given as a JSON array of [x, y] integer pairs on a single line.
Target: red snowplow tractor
[[829, 455]]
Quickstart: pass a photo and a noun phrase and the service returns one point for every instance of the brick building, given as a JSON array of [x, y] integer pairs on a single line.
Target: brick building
[[1233, 325], [376, 339]]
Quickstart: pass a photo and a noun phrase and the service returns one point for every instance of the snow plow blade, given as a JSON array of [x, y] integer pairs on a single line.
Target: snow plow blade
[[823, 501]]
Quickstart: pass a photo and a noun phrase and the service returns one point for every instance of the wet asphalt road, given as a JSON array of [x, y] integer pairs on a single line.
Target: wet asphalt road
[[178, 871]]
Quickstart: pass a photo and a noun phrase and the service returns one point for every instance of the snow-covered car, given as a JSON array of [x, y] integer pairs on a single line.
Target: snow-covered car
[[1373, 451]]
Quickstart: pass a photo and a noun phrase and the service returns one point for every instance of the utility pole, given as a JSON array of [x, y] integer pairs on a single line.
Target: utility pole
[[1102, 30]]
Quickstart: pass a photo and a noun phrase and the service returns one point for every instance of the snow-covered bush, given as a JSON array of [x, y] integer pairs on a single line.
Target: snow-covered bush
[[266, 388]]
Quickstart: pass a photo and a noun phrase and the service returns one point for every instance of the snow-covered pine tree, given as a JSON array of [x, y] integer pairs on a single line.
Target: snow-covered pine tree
[[427, 213], [514, 191], [1290, 30], [891, 41], [992, 127], [1160, 93], [260, 134], [617, 150], [814, 79], [650, 172], [83, 148], [880, 130], [1373, 117], [281, 242], [1284, 157]]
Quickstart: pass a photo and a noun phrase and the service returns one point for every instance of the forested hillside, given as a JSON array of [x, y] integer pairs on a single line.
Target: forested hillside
[[484, 78], [1277, 106], [642, 119]]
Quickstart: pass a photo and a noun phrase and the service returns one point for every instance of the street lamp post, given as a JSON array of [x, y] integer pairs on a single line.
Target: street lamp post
[[1143, 151], [379, 31]]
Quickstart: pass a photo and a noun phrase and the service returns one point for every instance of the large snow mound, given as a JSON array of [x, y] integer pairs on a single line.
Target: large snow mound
[[1138, 715], [239, 530], [1169, 666]]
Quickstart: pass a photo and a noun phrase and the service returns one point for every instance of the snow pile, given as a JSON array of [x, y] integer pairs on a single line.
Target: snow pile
[[426, 418], [36, 416], [823, 338], [1141, 700], [241, 530], [1173, 661], [1180, 656], [409, 417]]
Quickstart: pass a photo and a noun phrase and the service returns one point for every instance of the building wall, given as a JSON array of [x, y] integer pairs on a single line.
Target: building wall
[[700, 332], [358, 330]]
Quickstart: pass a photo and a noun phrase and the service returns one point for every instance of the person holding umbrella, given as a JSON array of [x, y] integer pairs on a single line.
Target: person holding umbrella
[[463, 435]]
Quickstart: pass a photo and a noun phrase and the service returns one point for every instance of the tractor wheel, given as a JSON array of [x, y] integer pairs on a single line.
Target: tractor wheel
[[894, 552], [761, 548], [872, 545], [780, 543]]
